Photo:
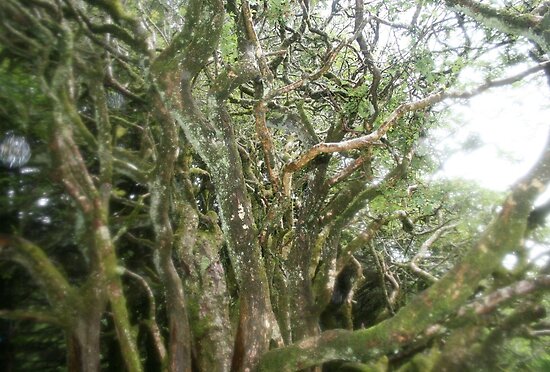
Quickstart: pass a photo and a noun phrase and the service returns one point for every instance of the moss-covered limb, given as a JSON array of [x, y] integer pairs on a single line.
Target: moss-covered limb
[[83, 133], [511, 326], [33, 315], [473, 347], [503, 20], [253, 38], [440, 300], [381, 365], [229, 79], [119, 33], [126, 27], [457, 354], [181, 61], [151, 321], [304, 253], [322, 269], [493, 300], [104, 131], [179, 348], [80, 185], [74, 174], [109, 270], [245, 69], [330, 345], [78, 182], [251, 63], [191, 48], [113, 7], [353, 198], [25, 19], [306, 246], [186, 232], [263, 133], [41, 268], [362, 239], [131, 165], [425, 361], [213, 138]]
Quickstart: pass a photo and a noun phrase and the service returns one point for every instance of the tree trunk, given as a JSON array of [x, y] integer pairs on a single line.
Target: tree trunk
[[83, 350]]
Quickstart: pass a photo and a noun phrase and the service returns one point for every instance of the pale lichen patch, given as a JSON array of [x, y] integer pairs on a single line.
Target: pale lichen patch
[[536, 183], [483, 248], [241, 211]]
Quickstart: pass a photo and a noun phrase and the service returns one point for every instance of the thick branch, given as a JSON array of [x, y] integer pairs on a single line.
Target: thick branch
[[527, 25], [151, 322], [434, 304], [37, 263], [490, 302], [371, 138], [36, 316], [357, 143], [413, 264]]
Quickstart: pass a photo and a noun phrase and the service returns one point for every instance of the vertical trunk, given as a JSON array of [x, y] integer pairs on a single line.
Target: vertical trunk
[[205, 289], [83, 348], [179, 347], [303, 316], [256, 322]]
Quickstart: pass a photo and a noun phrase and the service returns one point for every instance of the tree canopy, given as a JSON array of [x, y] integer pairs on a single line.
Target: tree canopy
[[208, 185]]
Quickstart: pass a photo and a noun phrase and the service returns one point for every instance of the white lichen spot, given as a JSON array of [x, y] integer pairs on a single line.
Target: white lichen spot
[[103, 233], [241, 211], [538, 185], [483, 248], [245, 227]]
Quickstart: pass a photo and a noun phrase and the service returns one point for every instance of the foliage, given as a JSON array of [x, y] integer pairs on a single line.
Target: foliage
[[249, 185]]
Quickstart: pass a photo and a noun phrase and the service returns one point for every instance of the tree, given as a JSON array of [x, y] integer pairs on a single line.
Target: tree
[[212, 181]]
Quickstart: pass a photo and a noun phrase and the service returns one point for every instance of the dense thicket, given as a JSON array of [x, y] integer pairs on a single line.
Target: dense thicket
[[208, 185]]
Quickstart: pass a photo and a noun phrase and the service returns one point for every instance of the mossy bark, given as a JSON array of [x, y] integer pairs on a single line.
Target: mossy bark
[[434, 304]]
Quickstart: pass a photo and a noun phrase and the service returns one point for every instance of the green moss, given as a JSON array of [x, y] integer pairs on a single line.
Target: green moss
[[422, 362], [113, 7]]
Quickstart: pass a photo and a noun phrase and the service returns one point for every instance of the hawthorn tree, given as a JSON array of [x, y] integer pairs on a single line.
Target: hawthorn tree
[[245, 185]]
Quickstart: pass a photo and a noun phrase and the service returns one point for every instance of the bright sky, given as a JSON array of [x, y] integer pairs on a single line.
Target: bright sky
[[509, 125]]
